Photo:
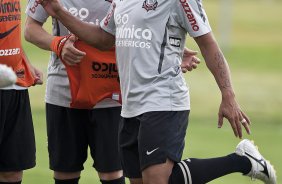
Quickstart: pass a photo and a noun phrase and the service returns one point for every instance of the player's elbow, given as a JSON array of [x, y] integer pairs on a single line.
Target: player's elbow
[[27, 34]]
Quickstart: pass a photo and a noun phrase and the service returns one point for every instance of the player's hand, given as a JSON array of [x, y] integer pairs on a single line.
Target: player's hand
[[230, 110], [70, 54], [51, 6], [38, 76], [189, 61]]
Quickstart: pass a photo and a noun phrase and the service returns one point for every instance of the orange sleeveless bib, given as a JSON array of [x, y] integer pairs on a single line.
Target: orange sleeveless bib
[[94, 79], [11, 52]]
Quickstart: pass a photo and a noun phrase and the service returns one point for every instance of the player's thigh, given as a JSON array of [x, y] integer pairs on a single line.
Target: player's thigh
[[161, 137], [103, 139], [128, 148], [67, 137], [17, 142]]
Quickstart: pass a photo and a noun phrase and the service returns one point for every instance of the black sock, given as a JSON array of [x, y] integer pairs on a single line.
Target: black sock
[[116, 181], [18, 182], [68, 181], [201, 171]]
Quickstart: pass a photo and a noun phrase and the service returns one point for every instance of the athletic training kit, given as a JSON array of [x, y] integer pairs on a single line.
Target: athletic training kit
[[72, 130], [58, 87], [17, 144], [150, 38]]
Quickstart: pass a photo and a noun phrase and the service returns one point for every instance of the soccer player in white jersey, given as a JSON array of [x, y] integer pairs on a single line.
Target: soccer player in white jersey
[[149, 36], [71, 131], [68, 125]]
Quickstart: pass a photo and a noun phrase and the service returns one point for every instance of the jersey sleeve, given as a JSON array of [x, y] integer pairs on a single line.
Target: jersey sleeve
[[36, 11], [192, 17], [108, 23]]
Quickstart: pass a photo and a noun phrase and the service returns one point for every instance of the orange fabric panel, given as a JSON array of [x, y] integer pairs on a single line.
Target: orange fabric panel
[[94, 79], [11, 52]]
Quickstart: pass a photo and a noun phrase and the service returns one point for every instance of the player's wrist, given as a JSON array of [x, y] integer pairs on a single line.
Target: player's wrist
[[57, 44]]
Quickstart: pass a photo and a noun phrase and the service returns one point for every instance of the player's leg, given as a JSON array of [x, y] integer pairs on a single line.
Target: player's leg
[[67, 142], [161, 143], [128, 149], [103, 142], [246, 160], [17, 143]]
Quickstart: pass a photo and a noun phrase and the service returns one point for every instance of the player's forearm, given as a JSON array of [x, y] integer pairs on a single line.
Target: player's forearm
[[35, 34], [217, 64], [89, 33]]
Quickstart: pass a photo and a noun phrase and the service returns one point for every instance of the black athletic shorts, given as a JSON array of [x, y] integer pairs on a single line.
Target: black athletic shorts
[[17, 143], [150, 139], [72, 131]]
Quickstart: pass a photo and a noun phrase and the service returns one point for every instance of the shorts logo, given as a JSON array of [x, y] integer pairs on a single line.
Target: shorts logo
[[175, 42], [150, 152], [150, 5]]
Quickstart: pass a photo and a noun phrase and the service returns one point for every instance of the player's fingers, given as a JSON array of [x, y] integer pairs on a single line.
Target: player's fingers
[[246, 123], [190, 52], [72, 57], [194, 65], [184, 70], [233, 126], [196, 60], [246, 118], [247, 128], [75, 51], [238, 127], [220, 121], [71, 60]]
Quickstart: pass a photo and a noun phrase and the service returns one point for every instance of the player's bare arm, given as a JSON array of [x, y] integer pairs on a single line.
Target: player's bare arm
[[90, 33], [218, 66], [36, 34]]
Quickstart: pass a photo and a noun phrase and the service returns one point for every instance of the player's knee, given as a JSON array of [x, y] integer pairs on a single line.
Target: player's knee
[[115, 177], [11, 176], [110, 175], [157, 174], [66, 175]]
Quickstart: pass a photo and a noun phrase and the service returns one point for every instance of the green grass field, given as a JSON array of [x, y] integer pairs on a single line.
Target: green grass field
[[255, 58]]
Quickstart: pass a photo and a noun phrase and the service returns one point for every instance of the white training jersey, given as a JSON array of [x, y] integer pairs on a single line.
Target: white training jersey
[[150, 39], [57, 89]]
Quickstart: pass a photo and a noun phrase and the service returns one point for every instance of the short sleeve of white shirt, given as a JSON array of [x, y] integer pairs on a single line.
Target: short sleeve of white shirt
[[108, 23], [192, 17], [36, 11]]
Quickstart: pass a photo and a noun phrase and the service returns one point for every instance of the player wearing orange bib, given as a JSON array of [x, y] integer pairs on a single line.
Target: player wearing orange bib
[[17, 144]]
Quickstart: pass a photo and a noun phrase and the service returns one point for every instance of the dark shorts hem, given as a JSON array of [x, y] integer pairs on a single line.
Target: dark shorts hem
[[70, 170], [22, 168], [160, 161], [108, 170]]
